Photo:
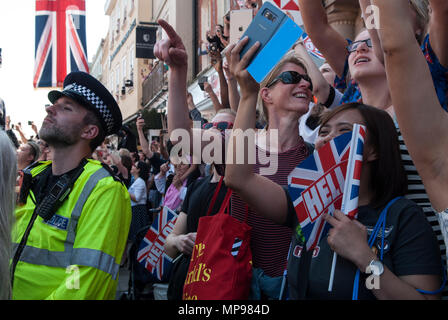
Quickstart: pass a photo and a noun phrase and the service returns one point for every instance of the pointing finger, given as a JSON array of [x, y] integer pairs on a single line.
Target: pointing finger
[[339, 215], [174, 37], [331, 220]]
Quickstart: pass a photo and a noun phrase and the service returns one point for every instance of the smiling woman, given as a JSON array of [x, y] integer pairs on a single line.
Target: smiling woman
[[285, 96], [382, 179]]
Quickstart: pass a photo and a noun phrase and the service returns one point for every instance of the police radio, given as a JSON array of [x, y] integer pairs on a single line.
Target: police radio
[[58, 194]]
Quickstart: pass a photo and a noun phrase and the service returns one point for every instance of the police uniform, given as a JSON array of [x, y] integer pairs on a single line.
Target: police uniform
[[75, 252]]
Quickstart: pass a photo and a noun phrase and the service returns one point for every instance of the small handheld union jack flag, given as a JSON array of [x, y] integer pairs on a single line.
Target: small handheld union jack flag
[[349, 204], [151, 254], [319, 183]]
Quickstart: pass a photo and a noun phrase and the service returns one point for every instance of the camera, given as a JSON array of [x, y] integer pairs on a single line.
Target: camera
[[269, 15]]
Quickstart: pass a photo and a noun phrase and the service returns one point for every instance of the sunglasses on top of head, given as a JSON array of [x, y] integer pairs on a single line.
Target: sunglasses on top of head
[[291, 77], [354, 45], [222, 125]]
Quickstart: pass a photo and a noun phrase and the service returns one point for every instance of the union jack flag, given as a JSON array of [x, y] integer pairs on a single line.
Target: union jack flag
[[60, 42], [311, 48], [151, 254], [292, 5], [350, 199], [318, 184]]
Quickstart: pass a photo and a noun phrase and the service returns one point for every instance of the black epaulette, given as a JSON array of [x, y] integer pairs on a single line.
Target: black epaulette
[[112, 174]]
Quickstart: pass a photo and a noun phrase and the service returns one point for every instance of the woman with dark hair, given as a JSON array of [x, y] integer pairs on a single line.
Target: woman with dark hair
[[388, 179], [412, 260]]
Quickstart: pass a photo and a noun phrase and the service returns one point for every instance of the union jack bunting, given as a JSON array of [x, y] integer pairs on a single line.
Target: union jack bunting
[[151, 253], [60, 41], [311, 48], [317, 185]]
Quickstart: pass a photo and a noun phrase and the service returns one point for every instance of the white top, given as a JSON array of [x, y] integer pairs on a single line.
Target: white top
[[306, 132], [138, 189]]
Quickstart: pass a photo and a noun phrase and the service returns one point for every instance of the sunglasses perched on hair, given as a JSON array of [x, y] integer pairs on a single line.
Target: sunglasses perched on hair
[[291, 77], [222, 125], [354, 45]]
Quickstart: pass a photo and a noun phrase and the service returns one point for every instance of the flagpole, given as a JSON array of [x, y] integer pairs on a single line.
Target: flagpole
[[347, 191], [333, 267]]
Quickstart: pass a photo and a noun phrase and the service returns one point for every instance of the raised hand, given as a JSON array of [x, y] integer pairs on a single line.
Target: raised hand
[[172, 50], [140, 123]]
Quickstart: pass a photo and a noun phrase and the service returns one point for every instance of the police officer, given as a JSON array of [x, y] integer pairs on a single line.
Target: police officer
[[73, 217]]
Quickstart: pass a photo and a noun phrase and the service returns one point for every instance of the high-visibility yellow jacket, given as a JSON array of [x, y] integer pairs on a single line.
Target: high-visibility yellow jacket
[[76, 254]]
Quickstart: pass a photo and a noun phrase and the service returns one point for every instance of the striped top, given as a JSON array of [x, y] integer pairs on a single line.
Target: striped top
[[270, 241], [417, 193]]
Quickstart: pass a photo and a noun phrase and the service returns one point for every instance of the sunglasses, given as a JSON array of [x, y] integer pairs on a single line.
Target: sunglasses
[[291, 77], [222, 125], [354, 45]]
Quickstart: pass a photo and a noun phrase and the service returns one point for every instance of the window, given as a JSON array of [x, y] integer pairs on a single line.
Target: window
[[111, 81], [123, 69], [131, 63], [117, 73]]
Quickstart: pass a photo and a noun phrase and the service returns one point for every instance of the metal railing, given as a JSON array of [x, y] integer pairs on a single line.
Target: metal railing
[[153, 84]]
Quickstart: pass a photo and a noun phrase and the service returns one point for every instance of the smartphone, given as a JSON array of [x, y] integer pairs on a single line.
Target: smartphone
[[201, 82], [241, 19], [263, 27], [276, 33]]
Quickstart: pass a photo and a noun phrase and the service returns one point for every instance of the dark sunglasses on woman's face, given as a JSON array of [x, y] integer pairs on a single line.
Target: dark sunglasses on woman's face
[[291, 77], [354, 45], [222, 125]]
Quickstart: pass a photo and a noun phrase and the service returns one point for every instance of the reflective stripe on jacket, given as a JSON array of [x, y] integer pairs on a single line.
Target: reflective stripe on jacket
[[76, 254]]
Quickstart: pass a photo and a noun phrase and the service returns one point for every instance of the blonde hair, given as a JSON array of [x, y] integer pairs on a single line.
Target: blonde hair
[[8, 175], [421, 7], [226, 111], [290, 57]]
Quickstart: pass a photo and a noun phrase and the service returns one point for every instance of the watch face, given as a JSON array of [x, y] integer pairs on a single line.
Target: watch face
[[376, 267]]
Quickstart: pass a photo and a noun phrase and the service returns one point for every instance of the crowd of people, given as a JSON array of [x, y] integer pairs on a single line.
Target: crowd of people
[[81, 198]]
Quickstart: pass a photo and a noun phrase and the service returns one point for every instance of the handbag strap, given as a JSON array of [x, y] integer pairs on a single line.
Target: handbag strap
[[225, 203], [215, 195]]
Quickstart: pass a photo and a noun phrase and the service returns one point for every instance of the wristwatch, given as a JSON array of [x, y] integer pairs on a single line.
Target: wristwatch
[[376, 267]]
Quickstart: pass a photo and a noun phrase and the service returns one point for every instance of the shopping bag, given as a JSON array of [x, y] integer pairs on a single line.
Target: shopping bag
[[221, 261]]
